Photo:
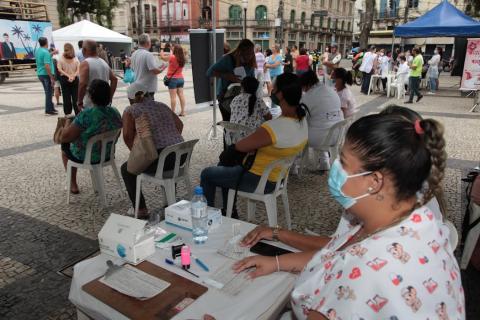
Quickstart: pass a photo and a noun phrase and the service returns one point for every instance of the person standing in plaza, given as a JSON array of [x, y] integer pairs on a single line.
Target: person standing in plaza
[[56, 85], [260, 59], [93, 68], [274, 63], [303, 62], [294, 57], [415, 76], [266, 73], [333, 61], [433, 71], [383, 65], [176, 62], [45, 73], [69, 68], [288, 61], [79, 53], [367, 67], [146, 66]]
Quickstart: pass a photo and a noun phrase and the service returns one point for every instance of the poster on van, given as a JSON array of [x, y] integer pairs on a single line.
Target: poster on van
[[471, 68], [19, 38]]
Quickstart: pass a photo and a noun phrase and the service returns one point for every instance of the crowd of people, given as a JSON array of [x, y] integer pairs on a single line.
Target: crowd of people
[[390, 256], [409, 66]]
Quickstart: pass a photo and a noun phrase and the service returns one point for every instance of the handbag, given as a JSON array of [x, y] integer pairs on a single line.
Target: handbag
[[143, 152], [61, 124], [129, 76], [166, 80], [230, 157]]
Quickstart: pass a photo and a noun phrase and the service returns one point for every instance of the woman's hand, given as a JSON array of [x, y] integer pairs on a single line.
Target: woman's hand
[[257, 234], [263, 266], [231, 77]]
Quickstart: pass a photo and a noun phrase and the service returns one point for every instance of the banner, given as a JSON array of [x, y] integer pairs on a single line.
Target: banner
[[19, 38], [471, 69]]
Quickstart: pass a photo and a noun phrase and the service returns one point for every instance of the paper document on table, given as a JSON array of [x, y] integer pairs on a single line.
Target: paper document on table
[[134, 283], [228, 281], [233, 250], [240, 72]]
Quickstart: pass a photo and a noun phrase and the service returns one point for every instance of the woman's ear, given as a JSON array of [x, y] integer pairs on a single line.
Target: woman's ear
[[376, 182]]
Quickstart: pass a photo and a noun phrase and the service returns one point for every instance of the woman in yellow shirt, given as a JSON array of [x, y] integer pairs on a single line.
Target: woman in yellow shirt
[[275, 139]]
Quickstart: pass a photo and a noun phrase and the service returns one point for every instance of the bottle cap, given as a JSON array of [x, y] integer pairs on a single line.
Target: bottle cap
[[198, 190]]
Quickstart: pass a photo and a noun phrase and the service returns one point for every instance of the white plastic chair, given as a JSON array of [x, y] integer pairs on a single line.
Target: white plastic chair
[[270, 199], [168, 179], [233, 131], [96, 170], [472, 236], [398, 86], [453, 238], [332, 143]]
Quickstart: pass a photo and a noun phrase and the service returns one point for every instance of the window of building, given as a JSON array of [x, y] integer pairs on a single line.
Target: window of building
[[321, 22], [349, 26], [330, 4], [146, 10], [343, 25], [344, 8], [261, 13], [133, 16], [322, 3], [235, 12], [154, 17], [292, 16], [413, 3], [292, 36], [261, 35], [312, 20], [302, 18], [329, 23]]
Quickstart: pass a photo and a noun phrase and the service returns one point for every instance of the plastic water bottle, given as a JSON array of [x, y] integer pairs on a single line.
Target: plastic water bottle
[[199, 216]]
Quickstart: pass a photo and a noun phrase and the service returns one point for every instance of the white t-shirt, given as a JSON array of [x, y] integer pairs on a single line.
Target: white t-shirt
[[260, 58], [367, 62], [143, 62], [407, 271], [324, 106], [347, 100]]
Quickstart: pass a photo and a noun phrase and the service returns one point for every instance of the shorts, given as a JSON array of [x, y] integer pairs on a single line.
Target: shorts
[[176, 83], [57, 84]]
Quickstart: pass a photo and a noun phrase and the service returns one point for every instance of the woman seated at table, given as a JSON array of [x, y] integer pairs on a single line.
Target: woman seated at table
[[247, 109], [275, 139], [166, 128], [88, 123], [343, 79], [324, 111], [305, 242], [395, 260]]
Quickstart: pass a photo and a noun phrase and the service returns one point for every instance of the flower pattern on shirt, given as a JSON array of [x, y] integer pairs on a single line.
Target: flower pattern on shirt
[[407, 271], [239, 108]]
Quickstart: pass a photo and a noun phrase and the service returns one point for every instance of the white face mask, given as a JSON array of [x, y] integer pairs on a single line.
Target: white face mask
[[435, 52]]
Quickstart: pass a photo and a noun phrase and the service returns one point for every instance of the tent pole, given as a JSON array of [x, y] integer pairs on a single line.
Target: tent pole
[[393, 48], [214, 57]]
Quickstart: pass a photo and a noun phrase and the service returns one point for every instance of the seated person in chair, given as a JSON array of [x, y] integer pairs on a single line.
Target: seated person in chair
[[88, 123], [283, 137], [166, 128]]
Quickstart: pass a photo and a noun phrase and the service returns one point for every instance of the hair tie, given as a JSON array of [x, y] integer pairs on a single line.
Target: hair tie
[[418, 127]]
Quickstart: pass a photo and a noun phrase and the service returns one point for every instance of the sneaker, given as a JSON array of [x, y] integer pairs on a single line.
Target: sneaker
[[407, 102], [51, 113], [419, 98]]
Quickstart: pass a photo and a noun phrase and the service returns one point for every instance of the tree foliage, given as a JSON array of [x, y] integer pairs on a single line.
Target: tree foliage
[[367, 23], [101, 9]]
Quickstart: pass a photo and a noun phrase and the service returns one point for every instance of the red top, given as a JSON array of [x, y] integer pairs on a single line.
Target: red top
[[174, 67], [302, 62]]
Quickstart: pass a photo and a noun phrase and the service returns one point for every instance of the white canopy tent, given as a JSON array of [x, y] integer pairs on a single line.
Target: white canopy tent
[[84, 30]]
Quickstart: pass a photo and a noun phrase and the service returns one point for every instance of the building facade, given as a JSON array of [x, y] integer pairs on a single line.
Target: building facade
[[391, 13], [312, 24]]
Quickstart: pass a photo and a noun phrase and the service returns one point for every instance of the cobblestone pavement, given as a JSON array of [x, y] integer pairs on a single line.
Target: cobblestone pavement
[[40, 234]]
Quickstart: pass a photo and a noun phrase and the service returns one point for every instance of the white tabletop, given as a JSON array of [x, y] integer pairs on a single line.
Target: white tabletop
[[259, 300]]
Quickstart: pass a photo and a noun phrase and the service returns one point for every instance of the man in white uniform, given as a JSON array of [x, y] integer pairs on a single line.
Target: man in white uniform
[[367, 67]]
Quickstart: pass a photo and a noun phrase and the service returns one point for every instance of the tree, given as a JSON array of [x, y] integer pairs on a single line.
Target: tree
[[367, 22], [140, 17], [101, 9]]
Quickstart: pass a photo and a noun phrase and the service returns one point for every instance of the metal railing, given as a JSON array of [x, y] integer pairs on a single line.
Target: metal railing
[[18, 9]]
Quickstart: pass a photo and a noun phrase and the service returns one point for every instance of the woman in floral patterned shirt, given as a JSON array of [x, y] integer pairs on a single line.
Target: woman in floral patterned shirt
[[394, 261]]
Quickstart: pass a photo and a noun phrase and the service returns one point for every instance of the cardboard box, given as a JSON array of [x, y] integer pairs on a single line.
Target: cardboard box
[[124, 237], [180, 215]]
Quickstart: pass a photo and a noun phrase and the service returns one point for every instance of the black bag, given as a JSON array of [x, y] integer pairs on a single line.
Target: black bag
[[230, 157], [166, 80]]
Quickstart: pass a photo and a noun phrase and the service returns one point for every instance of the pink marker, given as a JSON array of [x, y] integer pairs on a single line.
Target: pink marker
[[185, 257]]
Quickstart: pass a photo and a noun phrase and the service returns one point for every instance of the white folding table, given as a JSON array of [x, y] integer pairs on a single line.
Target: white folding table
[[263, 298]]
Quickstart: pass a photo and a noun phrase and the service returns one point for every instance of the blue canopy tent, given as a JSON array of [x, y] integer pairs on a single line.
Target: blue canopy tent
[[444, 20]]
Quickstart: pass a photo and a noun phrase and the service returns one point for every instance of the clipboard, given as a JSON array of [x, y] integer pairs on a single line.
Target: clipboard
[[178, 296]]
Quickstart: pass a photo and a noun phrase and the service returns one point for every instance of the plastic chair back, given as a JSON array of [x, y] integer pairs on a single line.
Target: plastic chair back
[[104, 139], [233, 131], [182, 150], [282, 180], [336, 133]]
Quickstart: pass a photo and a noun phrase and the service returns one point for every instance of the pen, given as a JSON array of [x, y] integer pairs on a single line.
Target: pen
[[201, 264], [168, 261]]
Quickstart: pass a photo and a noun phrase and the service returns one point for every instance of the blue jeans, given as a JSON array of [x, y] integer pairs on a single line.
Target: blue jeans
[[414, 87], [227, 178], [433, 84], [48, 88]]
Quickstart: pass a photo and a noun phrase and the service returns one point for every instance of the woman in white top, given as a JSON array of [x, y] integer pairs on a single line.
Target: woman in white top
[[433, 73], [324, 106], [395, 260], [383, 64], [342, 79], [247, 109]]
